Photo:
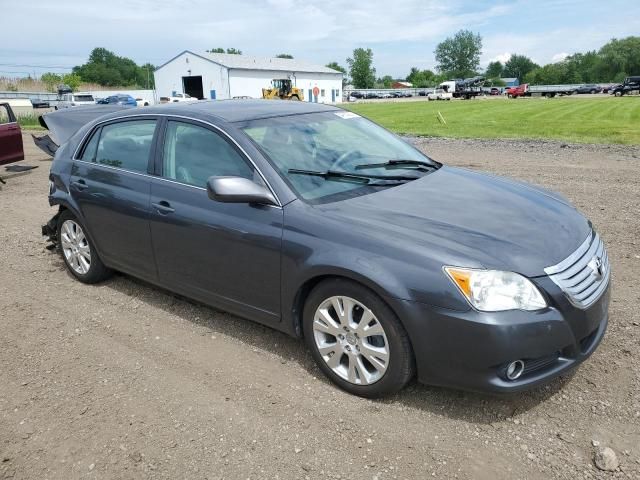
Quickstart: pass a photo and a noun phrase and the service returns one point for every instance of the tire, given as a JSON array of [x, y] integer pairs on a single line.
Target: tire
[[618, 94], [295, 98], [344, 360], [78, 253]]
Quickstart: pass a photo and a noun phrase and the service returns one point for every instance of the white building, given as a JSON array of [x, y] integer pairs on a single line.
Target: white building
[[223, 76]]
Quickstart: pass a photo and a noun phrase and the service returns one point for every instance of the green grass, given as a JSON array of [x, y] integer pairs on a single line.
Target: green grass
[[579, 120], [29, 122]]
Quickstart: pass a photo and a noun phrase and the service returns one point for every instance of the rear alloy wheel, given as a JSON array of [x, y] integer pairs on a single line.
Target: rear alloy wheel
[[77, 251], [75, 247], [356, 339]]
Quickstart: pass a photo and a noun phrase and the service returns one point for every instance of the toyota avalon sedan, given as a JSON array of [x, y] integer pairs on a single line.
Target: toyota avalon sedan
[[319, 223]]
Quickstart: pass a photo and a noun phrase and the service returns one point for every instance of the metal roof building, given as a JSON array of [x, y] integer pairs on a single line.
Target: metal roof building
[[223, 76]]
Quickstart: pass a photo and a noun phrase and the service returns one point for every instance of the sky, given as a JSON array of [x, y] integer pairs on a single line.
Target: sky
[[56, 35]]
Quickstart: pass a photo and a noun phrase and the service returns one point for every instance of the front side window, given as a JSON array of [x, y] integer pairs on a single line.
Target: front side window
[[125, 145], [314, 152], [192, 154]]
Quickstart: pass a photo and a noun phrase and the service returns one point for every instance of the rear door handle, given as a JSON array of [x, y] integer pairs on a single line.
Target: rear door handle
[[163, 207], [80, 185]]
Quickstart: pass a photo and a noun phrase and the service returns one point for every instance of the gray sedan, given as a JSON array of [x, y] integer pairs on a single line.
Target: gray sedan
[[317, 222]]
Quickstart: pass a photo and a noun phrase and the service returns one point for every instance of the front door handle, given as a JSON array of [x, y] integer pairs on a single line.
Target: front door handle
[[163, 207], [80, 185]]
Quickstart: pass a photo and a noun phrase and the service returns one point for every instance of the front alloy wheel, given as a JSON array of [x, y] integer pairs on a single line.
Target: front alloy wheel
[[351, 340], [356, 339]]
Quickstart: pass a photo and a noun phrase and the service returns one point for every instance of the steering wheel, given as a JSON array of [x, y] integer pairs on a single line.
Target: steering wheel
[[343, 158]]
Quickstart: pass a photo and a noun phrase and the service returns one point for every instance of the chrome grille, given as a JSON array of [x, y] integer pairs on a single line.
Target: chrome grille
[[584, 274]]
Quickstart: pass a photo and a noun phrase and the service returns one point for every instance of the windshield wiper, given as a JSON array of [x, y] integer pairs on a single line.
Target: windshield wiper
[[413, 164], [353, 177]]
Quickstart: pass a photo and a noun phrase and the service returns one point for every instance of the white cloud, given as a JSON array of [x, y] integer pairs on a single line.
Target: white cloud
[[558, 57], [502, 58], [402, 33]]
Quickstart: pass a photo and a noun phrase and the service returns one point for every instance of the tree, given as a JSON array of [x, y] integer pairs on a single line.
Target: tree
[[518, 66], [284, 55], [361, 70], [234, 51], [421, 78], [494, 70], [106, 68], [51, 80], [339, 68], [619, 58], [386, 81], [215, 50], [73, 80], [459, 56]]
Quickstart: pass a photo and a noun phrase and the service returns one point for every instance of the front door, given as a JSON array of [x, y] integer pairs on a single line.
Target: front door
[[11, 149], [111, 186], [221, 253]]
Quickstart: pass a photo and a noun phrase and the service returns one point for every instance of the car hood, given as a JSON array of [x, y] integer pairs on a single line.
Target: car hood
[[485, 220]]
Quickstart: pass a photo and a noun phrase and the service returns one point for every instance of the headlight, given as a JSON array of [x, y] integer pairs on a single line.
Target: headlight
[[494, 291]]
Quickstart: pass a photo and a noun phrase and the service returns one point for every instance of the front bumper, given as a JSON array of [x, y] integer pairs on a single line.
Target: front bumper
[[470, 349]]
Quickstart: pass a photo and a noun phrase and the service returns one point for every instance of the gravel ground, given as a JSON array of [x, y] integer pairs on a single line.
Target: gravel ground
[[124, 380]]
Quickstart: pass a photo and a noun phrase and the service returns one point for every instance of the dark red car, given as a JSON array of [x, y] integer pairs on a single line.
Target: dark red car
[[11, 149]]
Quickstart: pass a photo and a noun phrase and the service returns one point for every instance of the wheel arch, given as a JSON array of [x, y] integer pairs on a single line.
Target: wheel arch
[[303, 291]]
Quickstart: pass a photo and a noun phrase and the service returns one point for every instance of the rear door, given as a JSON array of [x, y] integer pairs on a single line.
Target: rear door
[[10, 136], [225, 254], [110, 183]]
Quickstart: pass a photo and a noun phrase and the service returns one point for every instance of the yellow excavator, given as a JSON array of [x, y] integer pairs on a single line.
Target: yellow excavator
[[281, 88]]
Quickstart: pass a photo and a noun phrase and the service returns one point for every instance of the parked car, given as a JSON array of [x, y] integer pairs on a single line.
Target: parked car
[[38, 103], [439, 94], [126, 100], [589, 88], [79, 99], [494, 91], [141, 102], [317, 222], [629, 85], [178, 97], [11, 149]]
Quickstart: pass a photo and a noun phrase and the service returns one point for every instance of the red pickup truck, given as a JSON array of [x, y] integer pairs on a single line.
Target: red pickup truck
[[11, 149], [519, 91]]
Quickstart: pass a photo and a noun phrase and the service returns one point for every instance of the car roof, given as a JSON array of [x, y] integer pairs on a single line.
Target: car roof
[[234, 110]]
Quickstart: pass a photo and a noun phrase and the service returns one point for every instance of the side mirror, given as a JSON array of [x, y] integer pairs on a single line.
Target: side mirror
[[238, 190]]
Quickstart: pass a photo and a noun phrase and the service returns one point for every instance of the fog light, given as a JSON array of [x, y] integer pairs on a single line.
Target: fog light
[[515, 369]]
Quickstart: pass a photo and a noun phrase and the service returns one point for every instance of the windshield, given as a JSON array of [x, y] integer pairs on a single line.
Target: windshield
[[335, 142]]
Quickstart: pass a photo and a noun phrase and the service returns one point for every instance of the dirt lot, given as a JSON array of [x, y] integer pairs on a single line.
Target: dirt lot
[[123, 380]]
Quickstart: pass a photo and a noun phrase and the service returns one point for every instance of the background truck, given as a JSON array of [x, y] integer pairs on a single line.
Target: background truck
[[550, 91], [629, 85], [462, 88]]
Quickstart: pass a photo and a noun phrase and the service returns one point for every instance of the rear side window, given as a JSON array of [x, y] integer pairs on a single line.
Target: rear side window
[[192, 154], [125, 145]]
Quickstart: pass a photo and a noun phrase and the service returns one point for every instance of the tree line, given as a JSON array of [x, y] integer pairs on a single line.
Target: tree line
[[456, 57], [459, 57]]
